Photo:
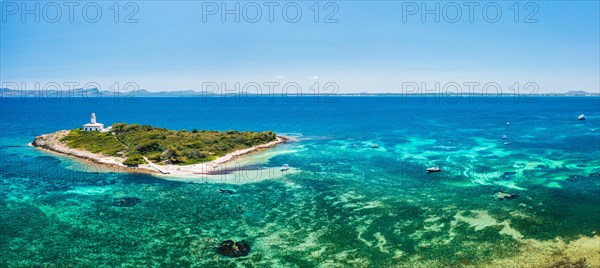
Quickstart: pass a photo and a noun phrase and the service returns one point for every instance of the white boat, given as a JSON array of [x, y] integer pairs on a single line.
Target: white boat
[[581, 117], [504, 137], [508, 123], [285, 167], [374, 145], [507, 143], [434, 169]]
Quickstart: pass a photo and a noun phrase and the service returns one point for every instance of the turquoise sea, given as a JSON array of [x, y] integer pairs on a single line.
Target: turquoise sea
[[342, 204]]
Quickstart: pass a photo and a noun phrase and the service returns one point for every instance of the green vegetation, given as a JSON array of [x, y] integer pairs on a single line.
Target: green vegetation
[[134, 160], [95, 142], [165, 146]]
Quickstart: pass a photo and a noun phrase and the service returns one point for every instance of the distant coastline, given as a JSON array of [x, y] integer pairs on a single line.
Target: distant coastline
[[142, 93]]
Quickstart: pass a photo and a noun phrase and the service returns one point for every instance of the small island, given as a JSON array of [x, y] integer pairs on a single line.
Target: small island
[[144, 148]]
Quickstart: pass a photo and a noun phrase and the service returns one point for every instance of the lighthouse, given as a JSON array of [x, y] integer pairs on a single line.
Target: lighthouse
[[93, 125]]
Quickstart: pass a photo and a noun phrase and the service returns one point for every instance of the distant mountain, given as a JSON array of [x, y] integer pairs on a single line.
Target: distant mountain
[[180, 93], [576, 92], [79, 92], [94, 92]]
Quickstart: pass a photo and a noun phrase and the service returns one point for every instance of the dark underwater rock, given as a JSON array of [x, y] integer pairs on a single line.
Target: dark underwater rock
[[126, 201], [504, 196], [574, 178], [226, 191], [48, 159], [230, 249], [506, 176]]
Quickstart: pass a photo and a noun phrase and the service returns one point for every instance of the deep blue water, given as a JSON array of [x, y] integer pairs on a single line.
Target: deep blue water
[[346, 204]]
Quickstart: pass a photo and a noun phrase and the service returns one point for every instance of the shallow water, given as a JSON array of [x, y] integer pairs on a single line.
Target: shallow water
[[342, 204]]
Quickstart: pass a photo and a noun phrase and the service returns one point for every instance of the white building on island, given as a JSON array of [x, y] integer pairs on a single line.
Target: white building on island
[[92, 125]]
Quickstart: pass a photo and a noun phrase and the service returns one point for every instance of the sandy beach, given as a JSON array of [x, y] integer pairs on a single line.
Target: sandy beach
[[52, 142]]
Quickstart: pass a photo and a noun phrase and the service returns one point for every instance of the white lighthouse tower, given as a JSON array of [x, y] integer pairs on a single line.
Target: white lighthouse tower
[[93, 125]]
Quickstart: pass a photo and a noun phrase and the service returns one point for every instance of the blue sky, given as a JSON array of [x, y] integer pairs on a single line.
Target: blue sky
[[369, 49]]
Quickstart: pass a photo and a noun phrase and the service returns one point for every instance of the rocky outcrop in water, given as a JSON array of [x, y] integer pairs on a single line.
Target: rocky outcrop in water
[[230, 249], [504, 196]]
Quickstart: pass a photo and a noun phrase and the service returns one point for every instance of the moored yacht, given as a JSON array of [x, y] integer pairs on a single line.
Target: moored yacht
[[434, 169], [285, 167]]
